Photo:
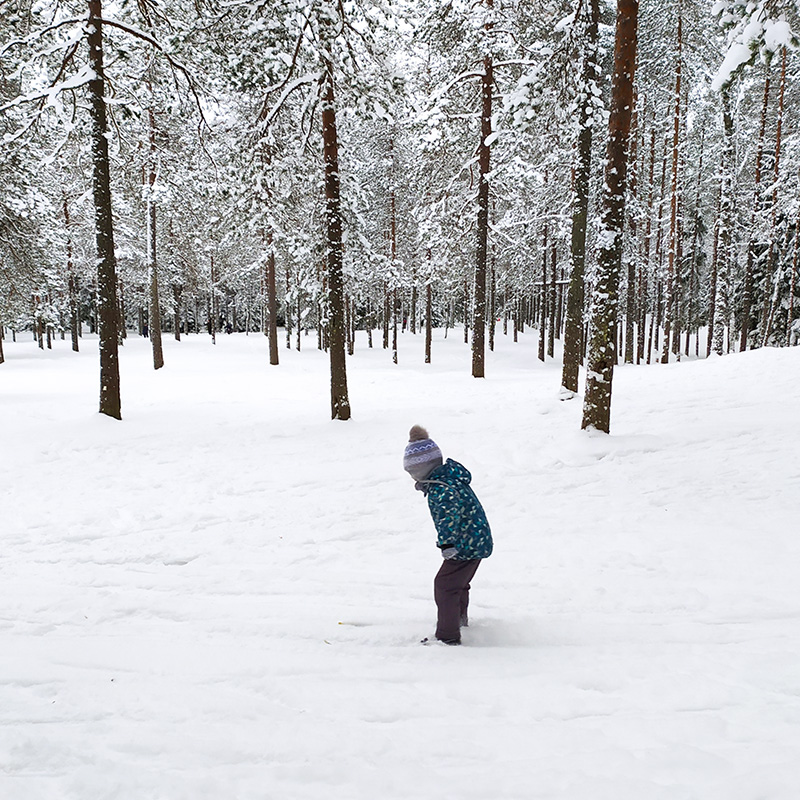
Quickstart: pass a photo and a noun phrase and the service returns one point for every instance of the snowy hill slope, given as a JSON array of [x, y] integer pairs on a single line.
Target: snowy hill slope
[[221, 597]]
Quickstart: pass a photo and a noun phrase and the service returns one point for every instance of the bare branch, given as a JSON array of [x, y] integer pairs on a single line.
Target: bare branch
[[68, 56], [516, 63], [40, 34], [462, 77], [266, 117], [173, 62], [310, 109]]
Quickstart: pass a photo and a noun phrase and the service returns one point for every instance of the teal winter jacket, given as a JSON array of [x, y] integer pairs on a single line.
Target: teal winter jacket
[[457, 513]]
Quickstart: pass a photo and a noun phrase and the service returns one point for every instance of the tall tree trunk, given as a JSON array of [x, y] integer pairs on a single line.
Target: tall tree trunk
[[793, 280], [693, 270], [387, 311], [466, 311], [272, 302], [72, 281], [645, 296], [725, 245], [602, 345], [771, 306], [340, 403], [428, 309], [630, 289], [677, 294], [712, 276], [110, 401], [176, 298], [479, 308], [551, 300], [154, 309], [747, 294], [712, 293], [395, 314], [428, 322], [573, 330], [212, 305], [38, 325], [559, 308], [543, 295], [669, 286], [299, 326], [393, 249], [288, 300], [492, 306]]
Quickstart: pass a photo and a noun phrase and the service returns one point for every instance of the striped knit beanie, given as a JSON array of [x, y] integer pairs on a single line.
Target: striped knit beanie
[[422, 454]]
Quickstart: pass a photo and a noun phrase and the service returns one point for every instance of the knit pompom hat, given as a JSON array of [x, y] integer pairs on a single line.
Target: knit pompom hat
[[422, 454]]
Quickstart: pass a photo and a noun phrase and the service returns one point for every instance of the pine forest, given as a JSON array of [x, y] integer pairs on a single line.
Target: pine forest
[[621, 178]]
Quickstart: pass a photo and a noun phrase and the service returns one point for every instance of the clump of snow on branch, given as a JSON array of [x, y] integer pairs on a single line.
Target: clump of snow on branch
[[752, 31], [525, 100]]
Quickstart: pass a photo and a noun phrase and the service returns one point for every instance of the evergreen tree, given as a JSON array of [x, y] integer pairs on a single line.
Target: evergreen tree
[[602, 344]]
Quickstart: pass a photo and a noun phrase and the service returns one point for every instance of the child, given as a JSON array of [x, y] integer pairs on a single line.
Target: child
[[463, 533]]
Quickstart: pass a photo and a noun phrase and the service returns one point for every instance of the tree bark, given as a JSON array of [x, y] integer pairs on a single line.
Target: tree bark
[[272, 302], [793, 280], [212, 305], [428, 309], [387, 310], [393, 250], [645, 296], [551, 300], [693, 268], [747, 294], [669, 286], [543, 295], [176, 296], [479, 308], [724, 247], [602, 345], [288, 300], [630, 289], [573, 331], [110, 401], [712, 277], [154, 308], [340, 403], [492, 305], [395, 308], [771, 305], [72, 285]]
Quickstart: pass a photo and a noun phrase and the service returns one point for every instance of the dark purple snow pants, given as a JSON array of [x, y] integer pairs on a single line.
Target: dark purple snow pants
[[451, 592]]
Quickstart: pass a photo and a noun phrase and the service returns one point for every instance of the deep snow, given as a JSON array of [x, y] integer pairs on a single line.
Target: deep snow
[[221, 597]]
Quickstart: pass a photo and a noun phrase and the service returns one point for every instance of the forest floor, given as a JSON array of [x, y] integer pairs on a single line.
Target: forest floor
[[222, 596]]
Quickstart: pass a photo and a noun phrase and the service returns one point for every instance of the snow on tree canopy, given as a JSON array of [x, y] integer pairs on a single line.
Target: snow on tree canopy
[[751, 30]]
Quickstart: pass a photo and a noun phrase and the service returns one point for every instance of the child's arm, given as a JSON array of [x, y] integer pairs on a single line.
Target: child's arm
[[446, 512]]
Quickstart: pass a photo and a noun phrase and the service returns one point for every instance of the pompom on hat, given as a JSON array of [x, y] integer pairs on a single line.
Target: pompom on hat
[[422, 455]]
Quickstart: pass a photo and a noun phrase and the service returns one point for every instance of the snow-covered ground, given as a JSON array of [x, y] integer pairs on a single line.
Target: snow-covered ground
[[222, 596]]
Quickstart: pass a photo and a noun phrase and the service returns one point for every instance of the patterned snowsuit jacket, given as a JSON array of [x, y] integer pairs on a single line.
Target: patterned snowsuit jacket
[[457, 513]]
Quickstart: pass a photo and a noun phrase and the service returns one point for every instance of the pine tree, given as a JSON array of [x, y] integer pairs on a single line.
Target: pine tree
[[602, 344], [587, 103]]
